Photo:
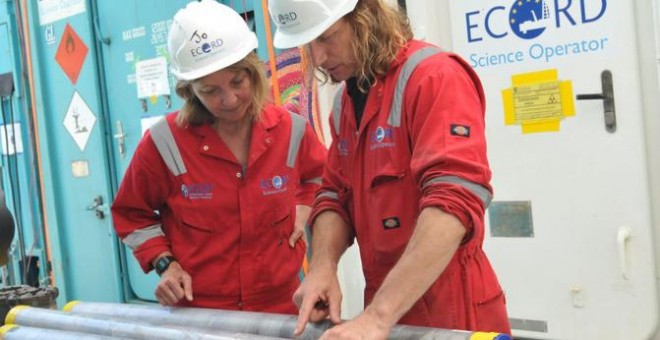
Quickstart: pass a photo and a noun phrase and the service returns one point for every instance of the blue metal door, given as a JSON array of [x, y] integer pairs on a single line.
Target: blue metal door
[[73, 153], [134, 35]]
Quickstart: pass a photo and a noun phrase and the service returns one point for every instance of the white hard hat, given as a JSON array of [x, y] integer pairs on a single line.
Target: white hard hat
[[205, 37], [301, 21]]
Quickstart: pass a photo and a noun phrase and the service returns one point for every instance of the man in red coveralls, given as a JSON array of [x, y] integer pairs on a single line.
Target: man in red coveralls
[[407, 174]]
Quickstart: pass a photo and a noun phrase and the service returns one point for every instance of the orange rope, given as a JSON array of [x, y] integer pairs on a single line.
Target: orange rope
[[35, 128], [271, 53]]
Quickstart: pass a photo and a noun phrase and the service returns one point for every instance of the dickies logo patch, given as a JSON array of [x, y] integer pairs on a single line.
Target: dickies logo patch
[[391, 223], [460, 130]]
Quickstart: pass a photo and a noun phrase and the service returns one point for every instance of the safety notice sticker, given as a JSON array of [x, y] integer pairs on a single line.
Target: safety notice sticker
[[538, 101], [79, 121]]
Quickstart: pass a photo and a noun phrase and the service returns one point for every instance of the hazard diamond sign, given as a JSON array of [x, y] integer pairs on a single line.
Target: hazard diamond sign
[[71, 53], [79, 121]]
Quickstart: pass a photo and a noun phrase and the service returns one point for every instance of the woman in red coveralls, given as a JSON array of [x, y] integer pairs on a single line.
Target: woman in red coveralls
[[407, 174], [216, 196]]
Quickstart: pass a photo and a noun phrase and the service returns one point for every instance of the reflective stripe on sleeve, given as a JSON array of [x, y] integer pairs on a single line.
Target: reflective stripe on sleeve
[[478, 190], [394, 119], [297, 133], [328, 194], [140, 236], [167, 147]]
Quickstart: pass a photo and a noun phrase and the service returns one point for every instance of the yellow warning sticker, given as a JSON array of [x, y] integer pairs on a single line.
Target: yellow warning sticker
[[538, 101]]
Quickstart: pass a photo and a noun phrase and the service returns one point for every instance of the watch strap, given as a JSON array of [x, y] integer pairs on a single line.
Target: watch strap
[[163, 263]]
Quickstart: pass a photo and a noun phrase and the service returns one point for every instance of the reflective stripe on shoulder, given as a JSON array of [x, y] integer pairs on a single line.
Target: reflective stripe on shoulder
[[409, 66], [167, 147], [336, 108], [140, 236], [478, 190], [297, 134]]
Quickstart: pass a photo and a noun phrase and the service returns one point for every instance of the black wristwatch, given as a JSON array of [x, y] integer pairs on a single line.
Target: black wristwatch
[[163, 263]]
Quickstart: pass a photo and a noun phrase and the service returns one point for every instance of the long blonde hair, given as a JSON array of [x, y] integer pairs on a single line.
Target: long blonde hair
[[383, 31], [195, 113]]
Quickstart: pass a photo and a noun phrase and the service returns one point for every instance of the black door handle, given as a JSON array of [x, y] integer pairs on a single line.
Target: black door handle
[[607, 96]]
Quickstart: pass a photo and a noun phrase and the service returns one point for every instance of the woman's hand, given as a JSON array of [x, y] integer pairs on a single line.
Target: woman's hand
[[174, 285], [299, 230]]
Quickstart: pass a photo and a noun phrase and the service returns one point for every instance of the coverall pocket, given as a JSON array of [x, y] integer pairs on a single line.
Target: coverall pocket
[[385, 179], [279, 263], [491, 314], [191, 236], [283, 223], [392, 210], [198, 226]]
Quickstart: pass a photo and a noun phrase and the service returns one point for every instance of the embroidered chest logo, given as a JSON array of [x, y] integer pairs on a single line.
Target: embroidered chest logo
[[382, 138], [198, 191], [275, 185], [342, 147]]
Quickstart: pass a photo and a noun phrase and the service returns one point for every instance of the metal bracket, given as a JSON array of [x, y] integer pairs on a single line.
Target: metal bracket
[[607, 96], [99, 34], [120, 137], [97, 207], [6, 84]]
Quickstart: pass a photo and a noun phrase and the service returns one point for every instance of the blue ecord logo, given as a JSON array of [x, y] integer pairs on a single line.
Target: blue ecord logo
[[287, 18], [528, 19], [276, 184], [382, 137], [380, 134], [204, 46]]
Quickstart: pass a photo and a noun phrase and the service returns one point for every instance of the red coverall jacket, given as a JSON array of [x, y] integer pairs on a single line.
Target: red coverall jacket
[[227, 226], [429, 152]]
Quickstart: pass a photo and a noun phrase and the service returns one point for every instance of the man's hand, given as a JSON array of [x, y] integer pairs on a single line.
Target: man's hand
[[365, 326], [318, 297], [174, 285]]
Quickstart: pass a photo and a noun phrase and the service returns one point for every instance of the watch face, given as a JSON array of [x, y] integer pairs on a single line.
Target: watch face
[[162, 264]]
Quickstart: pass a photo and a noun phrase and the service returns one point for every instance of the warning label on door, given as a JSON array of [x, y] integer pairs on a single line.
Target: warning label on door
[[71, 53], [79, 121], [537, 102]]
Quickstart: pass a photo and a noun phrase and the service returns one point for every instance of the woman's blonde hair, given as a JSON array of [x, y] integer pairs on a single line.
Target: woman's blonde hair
[[383, 31], [195, 113]]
